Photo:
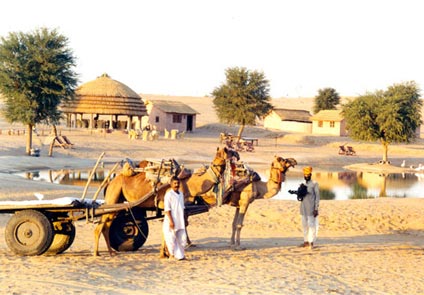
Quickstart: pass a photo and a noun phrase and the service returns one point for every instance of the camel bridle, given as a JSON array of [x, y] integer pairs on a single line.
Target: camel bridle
[[218, 169]]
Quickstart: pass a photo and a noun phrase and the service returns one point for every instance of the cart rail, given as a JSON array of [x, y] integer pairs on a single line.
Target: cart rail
[[77, 208]]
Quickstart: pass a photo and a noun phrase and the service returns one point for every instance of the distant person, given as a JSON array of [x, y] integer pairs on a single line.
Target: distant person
[[309, 207], [174, 229]]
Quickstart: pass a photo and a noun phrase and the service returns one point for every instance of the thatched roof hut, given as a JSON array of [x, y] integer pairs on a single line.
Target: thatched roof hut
[[105, 96]]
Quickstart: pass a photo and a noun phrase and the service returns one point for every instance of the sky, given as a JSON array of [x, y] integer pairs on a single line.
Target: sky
[[183, 47]]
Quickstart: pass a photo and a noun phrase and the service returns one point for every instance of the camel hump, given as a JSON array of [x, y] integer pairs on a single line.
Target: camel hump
[[184, 174], [128, 169]]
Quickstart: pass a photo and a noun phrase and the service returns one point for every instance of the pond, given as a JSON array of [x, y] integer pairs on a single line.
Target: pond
[[67, 176], [333, 185], [359, 185]]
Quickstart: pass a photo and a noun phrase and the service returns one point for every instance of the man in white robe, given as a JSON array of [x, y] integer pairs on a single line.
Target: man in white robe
[[174, 223]]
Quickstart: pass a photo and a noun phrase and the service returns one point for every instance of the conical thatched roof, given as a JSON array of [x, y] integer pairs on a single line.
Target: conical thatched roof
[[106, 96]]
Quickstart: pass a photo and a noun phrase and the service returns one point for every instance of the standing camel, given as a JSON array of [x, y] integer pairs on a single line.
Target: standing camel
[[133, 188], [241, 198]]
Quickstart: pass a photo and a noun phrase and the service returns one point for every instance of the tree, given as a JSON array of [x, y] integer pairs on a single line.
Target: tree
[[388, 116], [35, 77], [327, 99], [243, 97]]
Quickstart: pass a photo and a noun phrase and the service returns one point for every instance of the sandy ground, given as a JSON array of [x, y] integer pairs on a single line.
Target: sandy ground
[[364, 247]]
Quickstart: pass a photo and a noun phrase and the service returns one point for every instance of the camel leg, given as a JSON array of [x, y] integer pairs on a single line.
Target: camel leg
[[189, 243], [163, 253], [244, 204], [106, 231], [103, 228], [234, 227], [238, 229], [97, 232], [163, 250]]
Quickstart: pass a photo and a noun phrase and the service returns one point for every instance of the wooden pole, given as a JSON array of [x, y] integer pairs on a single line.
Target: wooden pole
[[91, 176], [105, 181]]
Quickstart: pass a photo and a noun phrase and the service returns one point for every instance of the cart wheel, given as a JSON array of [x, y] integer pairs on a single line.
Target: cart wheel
[[125, 234], [29, 232], [64, 235]]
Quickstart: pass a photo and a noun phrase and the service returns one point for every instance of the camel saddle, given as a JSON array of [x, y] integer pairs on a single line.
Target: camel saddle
[[231, 194]]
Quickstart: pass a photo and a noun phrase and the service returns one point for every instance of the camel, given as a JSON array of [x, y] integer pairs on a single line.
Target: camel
[[126, 188], [242, 197], [133, 188]]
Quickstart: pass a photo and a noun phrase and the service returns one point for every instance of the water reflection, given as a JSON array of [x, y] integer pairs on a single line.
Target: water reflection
[[333, 185], [359, 185], [67, 177]]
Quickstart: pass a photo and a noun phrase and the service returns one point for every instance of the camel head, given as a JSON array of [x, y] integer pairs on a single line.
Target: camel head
[[222, 156], [290, 162], [279, 167], [228, 153]]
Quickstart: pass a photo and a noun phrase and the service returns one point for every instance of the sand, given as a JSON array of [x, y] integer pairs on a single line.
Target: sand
[[364, 247]]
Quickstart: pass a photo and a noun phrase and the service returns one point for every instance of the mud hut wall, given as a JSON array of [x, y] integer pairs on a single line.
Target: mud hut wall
[[323, 127], [296, 127], [179, 125], [194, 122], [162, 120], [274, 121], [157, 119]]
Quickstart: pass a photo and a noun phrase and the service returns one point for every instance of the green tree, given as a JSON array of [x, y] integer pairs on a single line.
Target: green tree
[[36, 75], [389, 116], [327, 99], [243, 97]]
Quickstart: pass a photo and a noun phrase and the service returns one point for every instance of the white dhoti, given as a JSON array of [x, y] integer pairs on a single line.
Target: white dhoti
[[310, 226], [175, 240]]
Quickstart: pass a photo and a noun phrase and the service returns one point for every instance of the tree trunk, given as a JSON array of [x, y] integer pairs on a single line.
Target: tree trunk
[[240, 132], [383, 186], [385, 152], [54, 129], [29, 140]]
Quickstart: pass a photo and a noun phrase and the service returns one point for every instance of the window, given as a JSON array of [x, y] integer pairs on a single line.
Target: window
[[177, 118], [320, 124], [332, 124], [157, 119]]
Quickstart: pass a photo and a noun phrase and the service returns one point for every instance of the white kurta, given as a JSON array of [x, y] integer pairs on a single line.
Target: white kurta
[[174, 202], [175, 239]]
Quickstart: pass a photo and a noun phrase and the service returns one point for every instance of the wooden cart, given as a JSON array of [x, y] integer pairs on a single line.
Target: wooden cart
[[47, 227]]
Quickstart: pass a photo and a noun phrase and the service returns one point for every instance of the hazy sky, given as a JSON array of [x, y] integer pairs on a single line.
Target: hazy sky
[[182, 47]]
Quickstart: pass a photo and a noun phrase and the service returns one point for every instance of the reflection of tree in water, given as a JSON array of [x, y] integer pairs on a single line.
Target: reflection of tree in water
[[326, 194], [359, 192], [347, 177]]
